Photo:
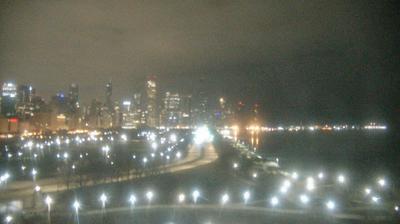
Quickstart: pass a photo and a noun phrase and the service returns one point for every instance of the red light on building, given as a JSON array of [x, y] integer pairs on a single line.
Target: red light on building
[[13, 120]]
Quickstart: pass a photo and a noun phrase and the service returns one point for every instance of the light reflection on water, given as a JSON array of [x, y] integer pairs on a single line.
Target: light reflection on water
[[360, 152]]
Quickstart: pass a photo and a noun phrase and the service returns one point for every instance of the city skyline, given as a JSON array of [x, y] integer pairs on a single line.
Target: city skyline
[[212, 111], [282, 56]]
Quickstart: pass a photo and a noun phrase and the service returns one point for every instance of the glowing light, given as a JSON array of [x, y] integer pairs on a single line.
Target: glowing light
[[4, 177], [48, 200], [285, 186], [181, 198], [173, 138], [341, 179], [382, 182], [321, 176], [154, 146], [330, 205], [132, 199], [375, 199], [224, 199], [304, 199], [37, 188], [103, 199], [246, 196], [235, 165], [195, 195], [34, 172], [149, 196], [295, 175], [255, 175], [76, 205], [310, 184], [124, 137], [274, 201], [367, 191], [203, 135], [105, 149], [396, 208], [8, 219]]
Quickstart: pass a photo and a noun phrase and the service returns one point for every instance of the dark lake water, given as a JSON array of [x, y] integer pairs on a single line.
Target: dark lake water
[[358, 153]]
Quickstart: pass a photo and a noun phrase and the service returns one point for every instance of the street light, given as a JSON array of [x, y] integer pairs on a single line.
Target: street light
[[181, 198], [105, 149], [382, 182], [330, 205], [132, 200], [37, 188], [295, 175], [34, 173], [341, 179], [76, 205], [124, 137], [8, 219], [154, 146], [274, 201], [149, 196], [285, 186], [246, 196], [367, 191], [310, 184], [375, 199], [48, 200], [173, 138], [103, 199], [224, 199], [195, 195], [304, 199], [178, 155]]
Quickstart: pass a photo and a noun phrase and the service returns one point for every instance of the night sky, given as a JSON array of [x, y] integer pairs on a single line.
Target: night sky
[[302, 61]]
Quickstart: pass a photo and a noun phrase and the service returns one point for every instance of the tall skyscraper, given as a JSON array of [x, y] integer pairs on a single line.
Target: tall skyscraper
[[109, 89], [201, 109], [25, 94], [73, 93], [25, 107], [73, 97], [9, 99], [151, 102], [185, 119], [171, 109]]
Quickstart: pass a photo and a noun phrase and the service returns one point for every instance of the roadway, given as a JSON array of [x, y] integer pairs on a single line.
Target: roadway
[[21, 189]]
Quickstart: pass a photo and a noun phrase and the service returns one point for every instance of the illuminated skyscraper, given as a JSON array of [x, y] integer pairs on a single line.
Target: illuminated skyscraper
[[185, 119], [73, 93], [171, 110], [73, 113], [151, 102], [25, 94], [73, 97], [108, 96], [9, 99], [25, 107]]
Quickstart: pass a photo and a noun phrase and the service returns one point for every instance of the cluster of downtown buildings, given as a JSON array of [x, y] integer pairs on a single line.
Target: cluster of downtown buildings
[[22, 110]]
